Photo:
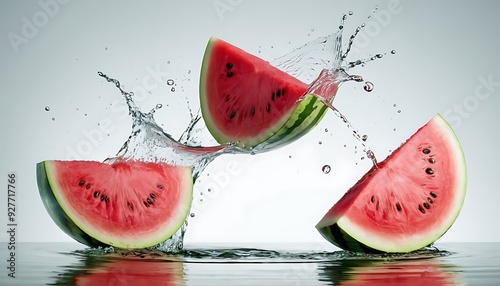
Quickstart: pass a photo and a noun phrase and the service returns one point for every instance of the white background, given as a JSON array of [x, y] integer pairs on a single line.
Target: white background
[[446, 53]]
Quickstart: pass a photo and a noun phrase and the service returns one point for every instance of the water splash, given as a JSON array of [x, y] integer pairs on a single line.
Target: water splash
[[321, 62]]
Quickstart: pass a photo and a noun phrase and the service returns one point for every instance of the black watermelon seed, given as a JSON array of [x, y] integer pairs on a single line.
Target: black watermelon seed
[[81, 183], [252, 111], [96, 194], [152, 195], [432, 160], [160, 186], [421, 209], [433, 194], [272, 96], [87, 186], [229, 65], [233, 113], [429, 171], [278, 93], [372, 199], [268, 107], [103, 197], [229, 74], [398, 206], [150, 201], [430, 200], [426, 151], [427, 206], [146, 203], [130, 206]]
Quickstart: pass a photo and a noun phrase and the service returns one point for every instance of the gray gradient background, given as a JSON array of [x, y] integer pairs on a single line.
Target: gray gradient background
[[446, 50]]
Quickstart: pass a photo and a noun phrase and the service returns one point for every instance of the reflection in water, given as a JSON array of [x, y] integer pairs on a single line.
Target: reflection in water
[[428, 272], [245, 266], [117, 269]]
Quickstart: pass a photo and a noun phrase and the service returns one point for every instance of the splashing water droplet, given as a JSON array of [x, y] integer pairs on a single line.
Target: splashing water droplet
[[172, 89], [159, 105], [170, 82], [47, 108], [189, 71], [326, 169], [192, 215], [326, 129], [53, 119], [394, 105], [320, 142], [350, 13], [368, 86], [399, 111], [393, 52], [364, 138]]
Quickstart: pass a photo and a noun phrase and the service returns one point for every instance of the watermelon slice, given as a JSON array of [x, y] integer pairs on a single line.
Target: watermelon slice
[[246, 100], [408, 202], [126, 204]]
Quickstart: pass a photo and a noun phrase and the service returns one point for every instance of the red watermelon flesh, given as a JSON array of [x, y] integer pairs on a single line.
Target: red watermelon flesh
[[245, 99], [410, 200], [126, 204]]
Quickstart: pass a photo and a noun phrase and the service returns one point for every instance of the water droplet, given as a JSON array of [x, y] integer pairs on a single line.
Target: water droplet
[[350, 13], [53, 119], [364, 138], [172, 89], [170, 82], [394, 105], [368, 86], [326, 169], [393, 52], [47, 108], [326, 129], [312, 30], [209, 190], [399, 111], [379, 56], [290, 156], [320, 142], [106, 48], [191, 214], [363, 25], [189, 71], [168, 62], [159, 105]]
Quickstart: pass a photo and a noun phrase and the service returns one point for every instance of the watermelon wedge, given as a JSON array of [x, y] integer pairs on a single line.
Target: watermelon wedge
[[408, 202], [246, 100], [126, 204]]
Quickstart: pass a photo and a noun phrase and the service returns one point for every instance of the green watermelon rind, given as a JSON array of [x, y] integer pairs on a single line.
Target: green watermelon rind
[[57, 214], [347, 236], [294, 124], [74, 227]]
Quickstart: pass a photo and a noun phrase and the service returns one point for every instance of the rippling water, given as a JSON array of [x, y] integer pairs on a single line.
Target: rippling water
[[74, 264]]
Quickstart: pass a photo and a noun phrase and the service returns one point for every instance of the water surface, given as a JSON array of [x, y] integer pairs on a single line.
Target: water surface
[[75, 264]]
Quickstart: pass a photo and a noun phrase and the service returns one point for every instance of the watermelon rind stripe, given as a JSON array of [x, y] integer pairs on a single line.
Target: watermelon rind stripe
[[304, 118], [57, 213]]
